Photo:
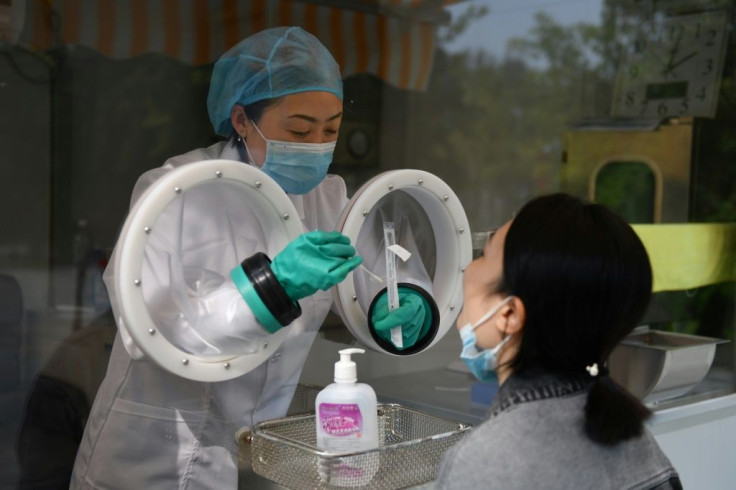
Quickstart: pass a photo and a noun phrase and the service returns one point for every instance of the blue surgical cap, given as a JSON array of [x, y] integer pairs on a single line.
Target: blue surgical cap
[[272, 63]]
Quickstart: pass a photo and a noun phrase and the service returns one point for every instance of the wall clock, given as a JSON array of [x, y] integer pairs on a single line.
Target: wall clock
[[673, 69]]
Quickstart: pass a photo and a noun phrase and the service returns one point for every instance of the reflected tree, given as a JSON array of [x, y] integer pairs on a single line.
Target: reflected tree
[[492, 126]]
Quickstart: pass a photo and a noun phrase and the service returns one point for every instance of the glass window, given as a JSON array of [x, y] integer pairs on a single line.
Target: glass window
[[628, 188], [489, 95]]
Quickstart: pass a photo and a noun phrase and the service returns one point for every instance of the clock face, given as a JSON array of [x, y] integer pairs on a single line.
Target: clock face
[[673, 70]]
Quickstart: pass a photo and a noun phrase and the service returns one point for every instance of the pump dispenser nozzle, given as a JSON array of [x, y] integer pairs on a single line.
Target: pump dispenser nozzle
[[345, 371]]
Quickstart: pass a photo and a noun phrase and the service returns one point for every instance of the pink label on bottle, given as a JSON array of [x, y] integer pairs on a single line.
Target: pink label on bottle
[[341, 419]]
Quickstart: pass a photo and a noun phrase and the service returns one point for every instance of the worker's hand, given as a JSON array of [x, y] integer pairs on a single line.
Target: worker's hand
[[314, 260], [414, 315]]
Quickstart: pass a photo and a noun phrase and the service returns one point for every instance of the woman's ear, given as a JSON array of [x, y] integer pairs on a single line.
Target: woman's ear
[[512, 317], [239, 120]]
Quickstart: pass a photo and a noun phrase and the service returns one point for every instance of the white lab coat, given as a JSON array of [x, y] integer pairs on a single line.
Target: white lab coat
[[149, 428]]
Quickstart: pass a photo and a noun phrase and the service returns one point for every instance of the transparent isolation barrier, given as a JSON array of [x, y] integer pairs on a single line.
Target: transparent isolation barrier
[[173, 293], [430, 225], [414, 232], [186, 273]]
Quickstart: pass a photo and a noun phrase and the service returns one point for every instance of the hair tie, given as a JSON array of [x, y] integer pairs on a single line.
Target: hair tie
[[592, 369]]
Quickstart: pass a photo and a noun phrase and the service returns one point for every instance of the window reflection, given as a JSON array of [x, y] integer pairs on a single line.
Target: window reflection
[[629, 189], [480, 93]]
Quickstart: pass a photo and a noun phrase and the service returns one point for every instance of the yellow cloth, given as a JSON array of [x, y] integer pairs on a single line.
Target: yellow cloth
[[690, 255]]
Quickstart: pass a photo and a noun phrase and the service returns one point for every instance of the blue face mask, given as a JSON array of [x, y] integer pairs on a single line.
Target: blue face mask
[[481, 363], [296, 167]]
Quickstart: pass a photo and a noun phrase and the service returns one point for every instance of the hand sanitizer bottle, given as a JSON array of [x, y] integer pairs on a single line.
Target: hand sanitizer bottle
[[347, 421]]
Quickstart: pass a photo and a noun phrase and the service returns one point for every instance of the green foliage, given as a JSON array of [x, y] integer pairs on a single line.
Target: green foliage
[[635, 180], [499, 122], [473, 13], [493, 126]]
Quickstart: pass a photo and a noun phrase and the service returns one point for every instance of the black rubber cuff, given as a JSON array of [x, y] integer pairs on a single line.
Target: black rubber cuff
[[257, 269]]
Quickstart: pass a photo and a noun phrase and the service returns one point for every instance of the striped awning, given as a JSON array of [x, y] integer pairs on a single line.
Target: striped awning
[[392, 39]]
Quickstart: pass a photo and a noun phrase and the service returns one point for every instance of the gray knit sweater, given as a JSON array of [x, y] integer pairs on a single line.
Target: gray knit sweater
[[534, 438]]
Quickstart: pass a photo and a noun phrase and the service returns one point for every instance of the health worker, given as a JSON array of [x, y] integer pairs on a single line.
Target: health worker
[[276, 98]]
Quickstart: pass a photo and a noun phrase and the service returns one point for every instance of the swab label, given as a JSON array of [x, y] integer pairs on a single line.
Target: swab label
[[403, 253]]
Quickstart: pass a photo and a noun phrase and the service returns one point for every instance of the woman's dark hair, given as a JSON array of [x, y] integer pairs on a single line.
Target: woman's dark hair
[[254, 112], [585, 280]]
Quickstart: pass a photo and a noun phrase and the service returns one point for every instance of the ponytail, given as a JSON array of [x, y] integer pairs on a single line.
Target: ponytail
[[612, 414]]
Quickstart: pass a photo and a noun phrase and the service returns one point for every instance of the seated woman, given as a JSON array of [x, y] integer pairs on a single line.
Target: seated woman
[[557, 288]]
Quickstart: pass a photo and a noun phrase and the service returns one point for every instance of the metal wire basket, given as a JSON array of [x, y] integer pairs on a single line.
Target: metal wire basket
[[411, 444], [303, 400]]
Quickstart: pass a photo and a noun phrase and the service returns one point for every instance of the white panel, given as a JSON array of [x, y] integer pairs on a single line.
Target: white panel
[[347, 18], [217, 31], [699, 440], [371, 33], [155, 27], [186, 36], [394, 29], [122, 29], [89, 26]]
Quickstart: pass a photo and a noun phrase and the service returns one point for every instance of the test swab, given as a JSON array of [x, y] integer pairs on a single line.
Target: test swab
[[373, 276]]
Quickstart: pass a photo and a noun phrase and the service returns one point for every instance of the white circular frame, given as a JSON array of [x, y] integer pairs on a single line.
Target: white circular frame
[[452, 238], [277, 213]]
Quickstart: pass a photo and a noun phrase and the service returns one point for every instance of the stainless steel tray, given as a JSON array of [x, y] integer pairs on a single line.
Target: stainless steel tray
[[655, 365], [411, 444]]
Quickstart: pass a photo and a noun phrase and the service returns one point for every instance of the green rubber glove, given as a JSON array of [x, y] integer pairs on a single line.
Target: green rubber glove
[[413, 314], [314, 260]]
